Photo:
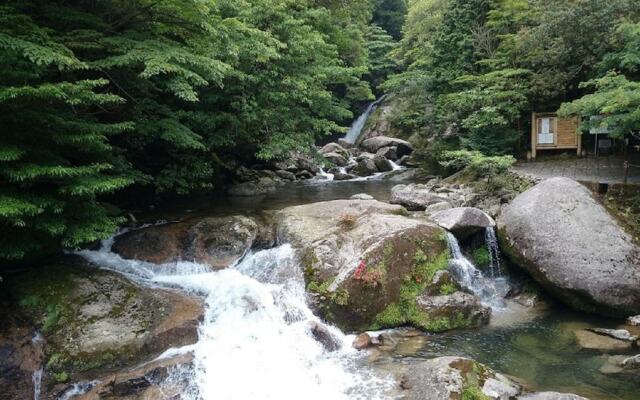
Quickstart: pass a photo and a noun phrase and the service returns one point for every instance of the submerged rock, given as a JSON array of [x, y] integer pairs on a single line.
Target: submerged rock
[[414, 197], [366, 264], [594, 341], [463, 221], [551, 396], [571, 246], [94, 320]]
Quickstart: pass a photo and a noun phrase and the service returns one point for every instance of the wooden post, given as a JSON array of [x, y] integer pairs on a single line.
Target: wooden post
[[578, 137], [534, 140], [626, 172]]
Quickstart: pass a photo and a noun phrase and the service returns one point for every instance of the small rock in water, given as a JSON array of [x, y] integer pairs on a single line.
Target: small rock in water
[[322, 334], [631, 362], [362, 341], [361, 196], [594, 341], [634, 321], [620, 334]]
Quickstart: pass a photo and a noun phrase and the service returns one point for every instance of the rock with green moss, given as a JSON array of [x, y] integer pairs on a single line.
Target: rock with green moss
[[369, 274], [457, 378], [94, 320]]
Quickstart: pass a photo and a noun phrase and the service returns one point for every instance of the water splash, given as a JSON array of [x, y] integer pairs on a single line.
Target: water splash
[[77, 389], [491, 291], [255, 341], [354, 132], [324, 175], [395, 166]]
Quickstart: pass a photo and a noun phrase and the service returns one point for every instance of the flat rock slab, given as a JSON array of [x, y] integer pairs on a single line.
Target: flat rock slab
[[594, 341]]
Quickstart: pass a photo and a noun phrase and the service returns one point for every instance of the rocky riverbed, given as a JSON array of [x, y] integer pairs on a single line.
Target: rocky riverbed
[[283, 292]]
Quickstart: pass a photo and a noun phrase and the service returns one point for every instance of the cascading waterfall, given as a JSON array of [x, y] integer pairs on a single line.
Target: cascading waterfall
[[490, 290], [36, 378], [354, 132], [255, 341], [491, 240]]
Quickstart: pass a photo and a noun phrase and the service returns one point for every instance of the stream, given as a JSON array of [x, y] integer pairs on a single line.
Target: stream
[[256, 342]]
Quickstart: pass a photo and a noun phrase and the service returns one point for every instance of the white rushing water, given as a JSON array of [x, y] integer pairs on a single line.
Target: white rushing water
[[255, 341], [490, 289], [358, 124]]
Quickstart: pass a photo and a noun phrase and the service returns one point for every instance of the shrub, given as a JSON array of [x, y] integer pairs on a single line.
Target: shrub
[[347, 221], [478, 163]]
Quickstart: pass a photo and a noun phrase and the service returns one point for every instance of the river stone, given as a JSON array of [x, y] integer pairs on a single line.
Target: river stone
[[221, 242], [466, 309], [357, 255], [593, 341], [634, 321], [362, 341], [551, 396], [374, 144], [249, 189], [102, 320], [365, 167], [336, 159], [323, 335], [453, 378], [361, 196], [382, 164], [334, 148], [341, 176], [345, 144], [569, 243], [620, 334], [389, 152], [631, 362], [463, 221], [289, 176], [414, 197], [218, 242], [434, 208]]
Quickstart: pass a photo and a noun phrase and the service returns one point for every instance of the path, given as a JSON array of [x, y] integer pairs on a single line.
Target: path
[[604, 169]]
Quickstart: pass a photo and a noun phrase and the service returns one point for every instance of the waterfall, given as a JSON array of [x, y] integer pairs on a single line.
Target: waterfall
[[395, 166], [354, 132], [325, 175], [491, 240], [490, 290], [255, 341], [36, 378]]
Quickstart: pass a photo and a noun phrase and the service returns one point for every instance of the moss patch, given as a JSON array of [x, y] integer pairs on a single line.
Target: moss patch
[[405, 310]]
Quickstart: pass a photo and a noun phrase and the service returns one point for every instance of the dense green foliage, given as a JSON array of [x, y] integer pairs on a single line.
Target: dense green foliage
[[474, 70], [162, 97]]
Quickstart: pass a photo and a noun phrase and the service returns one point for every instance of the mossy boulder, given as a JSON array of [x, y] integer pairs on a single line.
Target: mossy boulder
[[95, 320], [456, 378], [366, 262]]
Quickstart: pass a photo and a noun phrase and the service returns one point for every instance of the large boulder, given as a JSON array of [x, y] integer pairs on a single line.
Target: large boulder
[[374, 144], [366, 264], [334, 148], [389, 152], [415, 196], [382, 164], [218, 242], [463, 221], [365, 167], [572, 246], [94, 320], [336, 159]]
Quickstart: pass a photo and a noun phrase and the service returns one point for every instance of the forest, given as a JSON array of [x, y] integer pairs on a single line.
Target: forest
[[105, 105]]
